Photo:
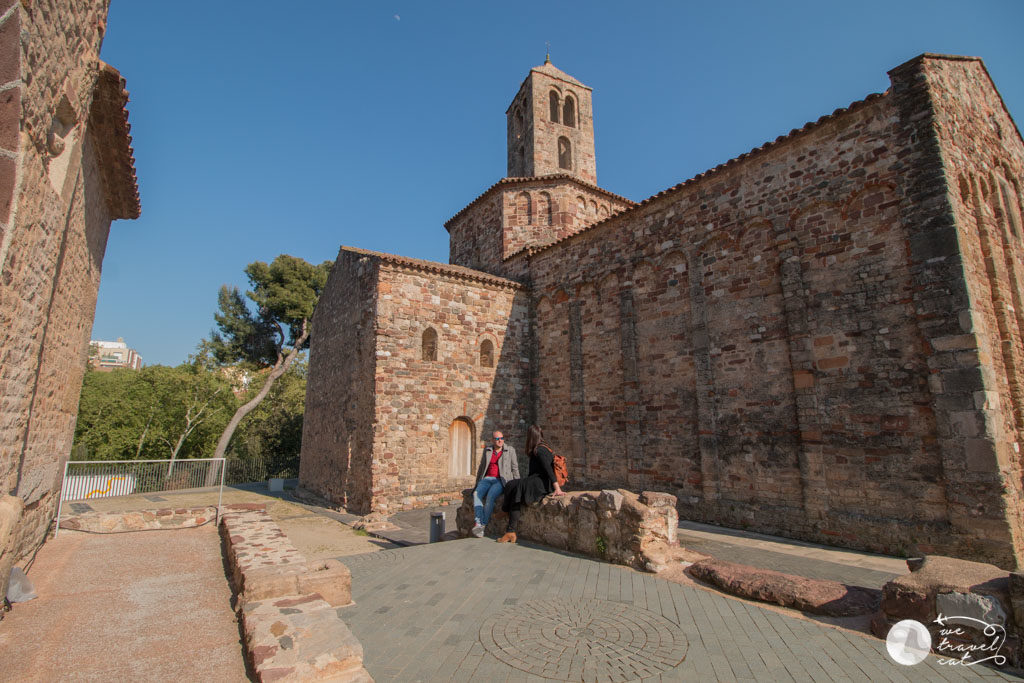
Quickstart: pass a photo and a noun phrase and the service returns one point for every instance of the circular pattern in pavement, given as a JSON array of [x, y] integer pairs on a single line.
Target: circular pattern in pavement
[[373, 558], [572, 640]]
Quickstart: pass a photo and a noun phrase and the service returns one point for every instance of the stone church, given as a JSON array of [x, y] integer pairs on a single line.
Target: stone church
[[821, 338]]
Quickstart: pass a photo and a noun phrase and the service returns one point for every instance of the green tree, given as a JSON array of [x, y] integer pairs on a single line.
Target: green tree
[[157, 412], [273, 431], [271, 334]]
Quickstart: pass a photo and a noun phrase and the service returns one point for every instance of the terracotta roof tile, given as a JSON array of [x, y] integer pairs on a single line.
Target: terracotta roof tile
[[460, 272], [807, 127], [108, 121]]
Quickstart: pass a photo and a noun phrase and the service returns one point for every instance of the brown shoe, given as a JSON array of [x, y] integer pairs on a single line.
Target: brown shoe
[[509, 537]]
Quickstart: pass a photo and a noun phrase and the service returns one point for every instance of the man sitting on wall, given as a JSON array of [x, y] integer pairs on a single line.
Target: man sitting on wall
[[498, 465]]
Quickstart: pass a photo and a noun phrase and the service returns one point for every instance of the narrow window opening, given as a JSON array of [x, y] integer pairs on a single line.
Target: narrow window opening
[[569, 112], [487, 354], [553, 101], [564, 153], [429, 344]]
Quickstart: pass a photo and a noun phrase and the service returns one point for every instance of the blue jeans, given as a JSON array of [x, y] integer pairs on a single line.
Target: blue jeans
[[489, 488]]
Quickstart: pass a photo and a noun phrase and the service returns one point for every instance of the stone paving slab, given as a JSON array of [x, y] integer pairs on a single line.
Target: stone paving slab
[[473, 609]]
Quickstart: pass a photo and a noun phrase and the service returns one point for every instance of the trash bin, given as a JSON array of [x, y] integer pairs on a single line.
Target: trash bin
[[436, 526]]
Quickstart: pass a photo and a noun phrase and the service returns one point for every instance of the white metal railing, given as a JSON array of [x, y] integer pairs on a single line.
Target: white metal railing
[[94, 479]]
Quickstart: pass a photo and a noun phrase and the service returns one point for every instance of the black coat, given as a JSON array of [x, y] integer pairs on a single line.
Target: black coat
[[539, 481]]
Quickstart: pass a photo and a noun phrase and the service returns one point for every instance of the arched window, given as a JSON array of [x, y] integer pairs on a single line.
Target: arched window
[[564, 153], [429, 344], [460, 463], [524, 208], [593, 207], [569, 112], [544, 209], [487, 354], [603, 210], [519, 125], [582, 204], [553, 101]]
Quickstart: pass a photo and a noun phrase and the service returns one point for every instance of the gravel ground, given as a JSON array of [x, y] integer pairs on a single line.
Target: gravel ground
[[145, 606]]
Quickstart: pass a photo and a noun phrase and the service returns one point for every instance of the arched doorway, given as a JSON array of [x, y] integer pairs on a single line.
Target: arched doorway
[[461, 462]]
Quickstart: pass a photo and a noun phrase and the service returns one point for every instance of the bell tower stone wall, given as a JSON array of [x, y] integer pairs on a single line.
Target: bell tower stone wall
[[551, 127]]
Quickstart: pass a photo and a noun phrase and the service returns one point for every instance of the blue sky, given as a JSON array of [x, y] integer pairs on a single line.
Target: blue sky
[[261, 129]]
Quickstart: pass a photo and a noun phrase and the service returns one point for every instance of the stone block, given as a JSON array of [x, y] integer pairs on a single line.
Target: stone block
[[610, 500], [972, 605], [330, 578], [829, 598], [981, 455], [11, 508], [302, 639], [614, 525], [915, 595], [267, 583]]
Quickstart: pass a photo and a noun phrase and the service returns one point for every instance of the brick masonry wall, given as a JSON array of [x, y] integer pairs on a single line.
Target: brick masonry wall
[[757, 342], [419, 400], [983, 161], [819, 339], [53, 234], [531, 129], [337, 432], [540, 211], [517, 214], [474, 235]]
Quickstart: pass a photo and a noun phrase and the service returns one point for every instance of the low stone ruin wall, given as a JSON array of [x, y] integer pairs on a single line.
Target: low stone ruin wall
[[288, 606], [139, 520], [969, 608], [614, 525]]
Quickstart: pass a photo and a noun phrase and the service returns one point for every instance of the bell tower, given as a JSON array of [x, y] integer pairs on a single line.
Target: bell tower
[[551, 127]]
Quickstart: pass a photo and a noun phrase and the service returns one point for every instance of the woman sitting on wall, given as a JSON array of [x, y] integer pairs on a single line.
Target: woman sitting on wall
[[539, 482]]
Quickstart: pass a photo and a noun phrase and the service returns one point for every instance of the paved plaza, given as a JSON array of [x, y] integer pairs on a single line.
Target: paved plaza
[[477, 610], [474, 609]]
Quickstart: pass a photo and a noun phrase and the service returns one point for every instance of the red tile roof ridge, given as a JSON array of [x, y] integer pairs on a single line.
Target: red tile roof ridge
[[109, 119], [771, 144], [460, 272], [524, 179]]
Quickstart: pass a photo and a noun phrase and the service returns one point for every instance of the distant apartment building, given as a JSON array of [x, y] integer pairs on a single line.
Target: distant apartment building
[[111, 355]]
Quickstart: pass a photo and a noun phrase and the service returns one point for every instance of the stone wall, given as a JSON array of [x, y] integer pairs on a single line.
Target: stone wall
[[533, 136], [618, 526], [979, 367], [379, 417], [519, 213], [819, 339], [67, 174], [757, 341], [419, 401], [337, 431]]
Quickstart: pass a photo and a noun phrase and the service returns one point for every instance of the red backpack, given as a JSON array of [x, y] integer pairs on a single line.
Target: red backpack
[[559, 466]]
